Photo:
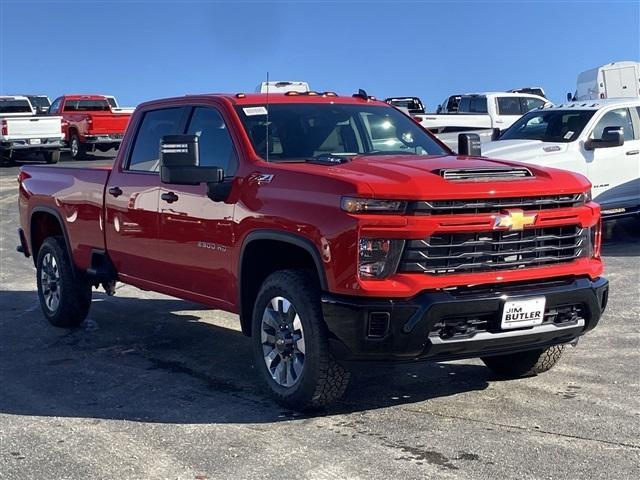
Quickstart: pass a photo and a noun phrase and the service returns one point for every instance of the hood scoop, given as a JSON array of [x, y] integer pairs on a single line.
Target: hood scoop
[[483, 174]]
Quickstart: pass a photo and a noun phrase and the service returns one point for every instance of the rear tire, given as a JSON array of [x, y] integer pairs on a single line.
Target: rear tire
[[524, 364], [77, 149], [51, 157], [290, 342], [64, 292]]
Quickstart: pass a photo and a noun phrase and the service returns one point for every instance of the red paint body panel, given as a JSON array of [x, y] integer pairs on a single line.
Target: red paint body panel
[[192, 248]]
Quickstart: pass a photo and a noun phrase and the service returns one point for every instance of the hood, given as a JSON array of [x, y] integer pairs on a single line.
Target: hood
[[522, 150], [413, 177]]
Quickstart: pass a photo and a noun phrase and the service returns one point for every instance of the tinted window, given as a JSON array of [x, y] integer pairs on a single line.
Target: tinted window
[[39, 102], [304, 131], [145, 155], [529, 104], [55, 105], [509, 106], [216, 147], [15, 106], [549, 126], [86, 106], [620, 117], [112, 102], [472, 105]]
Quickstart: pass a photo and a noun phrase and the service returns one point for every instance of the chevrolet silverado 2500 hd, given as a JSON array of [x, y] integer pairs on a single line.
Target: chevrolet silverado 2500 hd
[[22, 133], [89, 123], [331, 245]]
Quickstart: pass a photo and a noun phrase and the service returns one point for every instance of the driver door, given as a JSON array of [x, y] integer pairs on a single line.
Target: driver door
[[614, 171]]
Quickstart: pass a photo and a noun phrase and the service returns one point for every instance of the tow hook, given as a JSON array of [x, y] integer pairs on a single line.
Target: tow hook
[[109, 287]]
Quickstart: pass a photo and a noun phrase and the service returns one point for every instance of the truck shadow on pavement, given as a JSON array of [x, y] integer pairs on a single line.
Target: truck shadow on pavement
[[153, 360]]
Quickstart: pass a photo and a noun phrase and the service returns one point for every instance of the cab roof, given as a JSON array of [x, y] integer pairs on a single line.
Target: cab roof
[[595, 104]]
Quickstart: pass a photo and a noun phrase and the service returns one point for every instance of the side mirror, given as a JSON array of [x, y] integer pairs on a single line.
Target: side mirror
[[469, 144], [611, 137], [495, 134], [180, 162], [569, 97]]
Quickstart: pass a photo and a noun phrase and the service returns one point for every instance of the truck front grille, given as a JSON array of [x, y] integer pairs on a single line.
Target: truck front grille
[[446, 253], [451, 207]]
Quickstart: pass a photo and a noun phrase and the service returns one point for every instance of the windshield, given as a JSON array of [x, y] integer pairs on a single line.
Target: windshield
[[86, 106], [15, 106], [306, 131], [549, 126]]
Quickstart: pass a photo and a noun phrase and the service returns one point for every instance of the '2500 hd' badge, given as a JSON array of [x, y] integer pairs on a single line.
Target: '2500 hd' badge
[[514, 219]]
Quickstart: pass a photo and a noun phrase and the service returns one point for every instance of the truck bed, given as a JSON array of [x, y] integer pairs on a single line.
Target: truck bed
[[76, 196]]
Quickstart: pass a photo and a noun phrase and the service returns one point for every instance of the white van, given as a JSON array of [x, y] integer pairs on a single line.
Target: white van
[[614, 80], [283, 87], [598, 138]]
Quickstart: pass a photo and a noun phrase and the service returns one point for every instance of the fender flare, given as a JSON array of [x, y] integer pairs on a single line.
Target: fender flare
[[63, 227]]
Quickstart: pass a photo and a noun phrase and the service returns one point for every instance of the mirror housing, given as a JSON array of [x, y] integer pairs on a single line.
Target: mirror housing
[[180, 162], [495, 134], [569, 97], [469, 144], [611, 137]]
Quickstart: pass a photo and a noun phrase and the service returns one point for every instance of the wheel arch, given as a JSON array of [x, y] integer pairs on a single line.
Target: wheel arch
[[300, 253], [45, 222]]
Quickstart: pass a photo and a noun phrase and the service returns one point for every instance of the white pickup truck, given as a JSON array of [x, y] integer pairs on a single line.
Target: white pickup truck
[[115, 107], [482, 110], [598, 138], [23, 133]]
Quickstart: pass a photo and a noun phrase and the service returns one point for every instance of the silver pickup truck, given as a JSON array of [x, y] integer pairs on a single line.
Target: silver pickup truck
[[22, 133]]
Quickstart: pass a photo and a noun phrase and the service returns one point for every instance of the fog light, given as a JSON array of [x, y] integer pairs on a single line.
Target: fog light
[[379, 258]]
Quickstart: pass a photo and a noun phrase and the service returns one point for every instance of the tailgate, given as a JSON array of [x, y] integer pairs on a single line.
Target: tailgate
[[109, 123], [33, 127]]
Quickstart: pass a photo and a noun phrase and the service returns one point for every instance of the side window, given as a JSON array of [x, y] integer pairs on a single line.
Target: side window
[[479, 105], [528, 104], [55, 105], [620, 117], [508, 106], [145, 155], [216, 146]]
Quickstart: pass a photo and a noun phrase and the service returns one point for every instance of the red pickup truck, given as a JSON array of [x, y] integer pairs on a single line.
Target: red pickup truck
[[337, 228], [88, 123]]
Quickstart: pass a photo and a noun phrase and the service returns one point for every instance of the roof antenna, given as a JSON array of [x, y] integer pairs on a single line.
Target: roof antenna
[[267, 125]]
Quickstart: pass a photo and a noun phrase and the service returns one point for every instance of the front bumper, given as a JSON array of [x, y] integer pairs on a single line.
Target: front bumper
[[459, 323]]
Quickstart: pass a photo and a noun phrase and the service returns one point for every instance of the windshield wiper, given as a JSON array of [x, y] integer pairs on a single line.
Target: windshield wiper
[[327, 159], [390, 152]]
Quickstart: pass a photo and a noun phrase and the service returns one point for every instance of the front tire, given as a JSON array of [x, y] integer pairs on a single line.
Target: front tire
[[524, 364], [290, 342], [64, 293]]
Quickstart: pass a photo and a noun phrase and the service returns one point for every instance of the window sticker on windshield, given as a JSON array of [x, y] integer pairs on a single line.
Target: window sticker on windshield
[[251, 111], [568, 135]]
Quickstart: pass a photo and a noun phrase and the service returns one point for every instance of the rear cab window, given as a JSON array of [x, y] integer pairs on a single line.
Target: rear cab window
[[473, 105], [86, 106], [14, 106]]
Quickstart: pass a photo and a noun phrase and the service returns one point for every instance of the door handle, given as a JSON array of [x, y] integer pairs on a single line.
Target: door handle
[[633, 152], [115, 191], [169, 197]]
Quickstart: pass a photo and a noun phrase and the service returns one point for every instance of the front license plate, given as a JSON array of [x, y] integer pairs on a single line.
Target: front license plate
[[526, 312], [35, 141]]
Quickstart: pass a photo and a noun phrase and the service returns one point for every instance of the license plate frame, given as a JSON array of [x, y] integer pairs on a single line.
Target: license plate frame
[[35, 141], [522, 312]]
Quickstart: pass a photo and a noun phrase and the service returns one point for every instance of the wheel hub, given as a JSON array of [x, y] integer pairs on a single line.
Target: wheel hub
[[50, 282], [282, 341]]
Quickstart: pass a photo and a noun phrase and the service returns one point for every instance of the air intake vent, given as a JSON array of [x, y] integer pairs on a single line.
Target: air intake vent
[[378, 324], [484, 174]]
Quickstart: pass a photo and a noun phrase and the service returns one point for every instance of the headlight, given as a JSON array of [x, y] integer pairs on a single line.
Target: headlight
[[371, 205], [378, 258]]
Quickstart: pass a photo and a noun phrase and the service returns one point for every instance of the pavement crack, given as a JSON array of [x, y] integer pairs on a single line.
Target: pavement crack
[[526, 429]]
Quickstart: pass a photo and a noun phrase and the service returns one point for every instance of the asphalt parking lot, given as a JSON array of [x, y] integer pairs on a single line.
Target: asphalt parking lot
[[155, 388]]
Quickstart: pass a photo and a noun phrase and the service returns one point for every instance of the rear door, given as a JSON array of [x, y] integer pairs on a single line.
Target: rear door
[[620, 82], [196, 234], [614, 171], [132, 195]]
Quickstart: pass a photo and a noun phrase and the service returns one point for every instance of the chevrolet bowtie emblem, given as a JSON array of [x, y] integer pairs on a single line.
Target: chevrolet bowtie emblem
[[514, 219]]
